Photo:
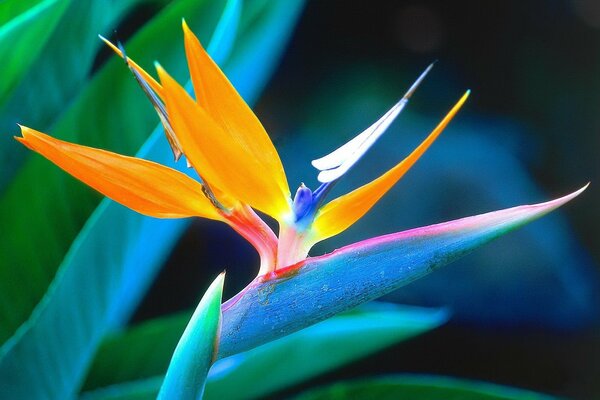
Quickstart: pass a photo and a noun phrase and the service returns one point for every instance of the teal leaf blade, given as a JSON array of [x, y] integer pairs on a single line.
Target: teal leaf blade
[[308, 353], [60, 70], [196, 350], [320, 287], [113, 260], [143, 389], [418, 387], [22, 37], [47, 207]]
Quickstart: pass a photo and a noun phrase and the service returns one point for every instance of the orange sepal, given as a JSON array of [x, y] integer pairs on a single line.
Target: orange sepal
[[218, 97], [341, 213], [144, 186], [222, 160]]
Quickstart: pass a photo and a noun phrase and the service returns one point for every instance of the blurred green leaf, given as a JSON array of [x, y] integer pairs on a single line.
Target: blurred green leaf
[[196, 350], [60, 70], [11, 9], [308, 353], [117, 254], [26, 26], [148, 346], [417, 388], [45, 207], [143, 389]]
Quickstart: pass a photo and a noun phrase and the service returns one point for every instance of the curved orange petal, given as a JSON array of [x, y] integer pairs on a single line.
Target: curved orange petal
[[144, 186], [224, 162], [341, 213], [228, 109]]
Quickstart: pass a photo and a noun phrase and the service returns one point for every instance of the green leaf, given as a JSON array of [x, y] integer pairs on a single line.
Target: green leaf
[[113, 260], [10, 9], [45, 207], [23, 36], [148, 346], [197, 348], [59, 71], [143, 389], [418, 387], [308, 353]]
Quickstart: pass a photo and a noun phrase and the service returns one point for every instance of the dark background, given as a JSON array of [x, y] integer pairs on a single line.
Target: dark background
[[535, 64]]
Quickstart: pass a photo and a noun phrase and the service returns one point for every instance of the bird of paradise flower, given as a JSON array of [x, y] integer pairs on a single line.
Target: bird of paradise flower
[[240, 171]]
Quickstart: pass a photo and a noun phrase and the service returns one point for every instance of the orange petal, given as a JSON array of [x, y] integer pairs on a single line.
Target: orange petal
[[146, 76], [342, 212], [144, 186], [222, 160], [223, 103]]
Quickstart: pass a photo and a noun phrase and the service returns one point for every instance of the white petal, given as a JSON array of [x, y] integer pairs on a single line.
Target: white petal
[[338, 162]]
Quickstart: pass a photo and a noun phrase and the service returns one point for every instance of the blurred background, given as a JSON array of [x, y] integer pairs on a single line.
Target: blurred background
[[525, 308]]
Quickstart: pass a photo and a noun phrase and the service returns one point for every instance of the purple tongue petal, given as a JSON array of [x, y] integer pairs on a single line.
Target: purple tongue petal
[[319, 287]]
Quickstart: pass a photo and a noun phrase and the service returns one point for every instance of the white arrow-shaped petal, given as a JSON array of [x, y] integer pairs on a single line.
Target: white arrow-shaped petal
[[338, 162]]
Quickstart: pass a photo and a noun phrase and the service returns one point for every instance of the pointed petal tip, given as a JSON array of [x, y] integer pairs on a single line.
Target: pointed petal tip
[[216, 287], [23, 130], [163, 76], [23, 140], [185, 26], [111, 45], [511, 218], [418, 82], [571, 196], [26, 131], [188, 34], [558, 202], [190, 37]]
